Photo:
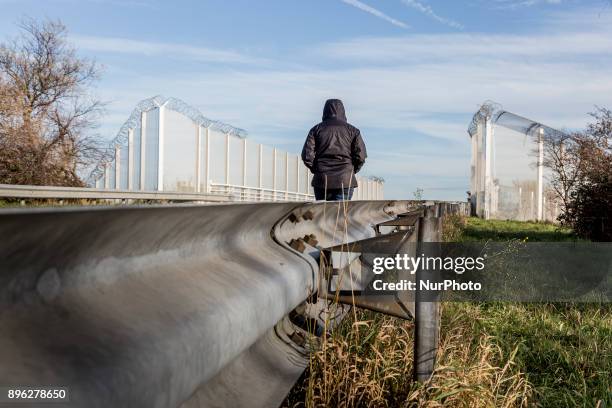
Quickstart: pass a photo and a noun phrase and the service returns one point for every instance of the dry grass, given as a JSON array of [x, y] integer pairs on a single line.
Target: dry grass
[[362, 363], [473, 370], [490, 354], [368, 362]]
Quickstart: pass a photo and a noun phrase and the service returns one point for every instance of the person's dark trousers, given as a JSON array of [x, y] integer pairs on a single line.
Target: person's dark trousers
[[334, 194]]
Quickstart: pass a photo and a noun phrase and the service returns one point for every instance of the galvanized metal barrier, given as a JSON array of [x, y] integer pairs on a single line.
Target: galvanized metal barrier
[[410, 233], [79, 193], [167, 306]]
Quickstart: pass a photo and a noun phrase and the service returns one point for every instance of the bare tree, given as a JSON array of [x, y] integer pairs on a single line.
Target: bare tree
[[581, 176], [562, 156], [46, 114]]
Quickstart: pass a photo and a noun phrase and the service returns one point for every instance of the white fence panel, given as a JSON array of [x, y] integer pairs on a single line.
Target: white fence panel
[[168, 146]]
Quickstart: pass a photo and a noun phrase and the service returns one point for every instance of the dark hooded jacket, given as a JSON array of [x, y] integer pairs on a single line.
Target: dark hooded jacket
[[334, 150]]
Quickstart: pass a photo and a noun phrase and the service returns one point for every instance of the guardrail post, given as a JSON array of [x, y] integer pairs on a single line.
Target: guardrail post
[[427, 314]]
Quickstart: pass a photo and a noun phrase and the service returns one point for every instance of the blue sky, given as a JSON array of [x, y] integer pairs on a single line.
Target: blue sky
[[411, 72]]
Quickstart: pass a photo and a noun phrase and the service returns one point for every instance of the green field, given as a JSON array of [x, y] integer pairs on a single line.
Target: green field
[[491, 354], [476, 229]]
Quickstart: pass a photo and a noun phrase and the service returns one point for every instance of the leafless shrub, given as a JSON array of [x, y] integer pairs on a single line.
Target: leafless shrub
[[562, 158], [46, 114], [581, 176]]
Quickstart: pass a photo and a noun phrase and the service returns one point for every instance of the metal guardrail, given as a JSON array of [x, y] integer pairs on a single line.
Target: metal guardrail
[[167, 306], [43, 192], [217, 193]]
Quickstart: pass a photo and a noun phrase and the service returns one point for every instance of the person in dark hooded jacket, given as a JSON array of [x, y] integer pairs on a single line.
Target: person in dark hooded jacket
[[334, 152]]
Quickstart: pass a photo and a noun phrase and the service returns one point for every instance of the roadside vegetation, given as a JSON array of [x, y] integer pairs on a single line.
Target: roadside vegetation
[[490, 355], [48, 114], [580, 176]]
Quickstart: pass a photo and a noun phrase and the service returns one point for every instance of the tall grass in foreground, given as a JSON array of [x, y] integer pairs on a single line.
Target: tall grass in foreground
[[490, 354]]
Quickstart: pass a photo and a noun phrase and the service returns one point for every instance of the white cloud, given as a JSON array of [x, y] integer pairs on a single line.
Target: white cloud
[[136, 47], [375, 12], [399, 89], [452, 47], [515, 4], [401, 100], [427, 10]]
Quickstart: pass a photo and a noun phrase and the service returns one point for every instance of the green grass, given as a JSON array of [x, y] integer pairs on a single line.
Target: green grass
[[565, 350], [491, 354], [477, 229]]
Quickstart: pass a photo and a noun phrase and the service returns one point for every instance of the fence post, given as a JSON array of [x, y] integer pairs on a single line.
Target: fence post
[[244, 164], [160, 147], [260, 183], [117, 167], [198, 169], [130, 181], [143, 132], [297, 171], [488, 170], [107, 176], [274, 175], [540, 208], [286, 176], [207, 165], [227, 159]]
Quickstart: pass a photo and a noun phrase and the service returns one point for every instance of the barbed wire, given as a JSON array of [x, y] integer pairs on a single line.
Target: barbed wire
[[486, 111], [133, 122]]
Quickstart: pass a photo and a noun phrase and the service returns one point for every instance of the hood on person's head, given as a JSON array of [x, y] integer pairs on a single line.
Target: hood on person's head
[[334, 109]]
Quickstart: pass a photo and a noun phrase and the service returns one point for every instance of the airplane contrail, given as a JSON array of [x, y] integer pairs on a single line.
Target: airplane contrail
[[375, 12]]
